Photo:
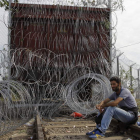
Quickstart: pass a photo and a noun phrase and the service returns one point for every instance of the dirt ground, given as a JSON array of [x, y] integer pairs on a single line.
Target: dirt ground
[[75, 129], [24, 132], [63, 129]]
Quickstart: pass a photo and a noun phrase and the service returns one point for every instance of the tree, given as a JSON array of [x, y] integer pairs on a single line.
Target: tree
[[5, 3]]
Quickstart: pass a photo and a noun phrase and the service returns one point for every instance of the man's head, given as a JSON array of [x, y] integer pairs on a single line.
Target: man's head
[[115, 83]]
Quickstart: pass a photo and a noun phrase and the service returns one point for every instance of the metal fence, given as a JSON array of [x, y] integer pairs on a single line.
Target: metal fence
[[128, 71]]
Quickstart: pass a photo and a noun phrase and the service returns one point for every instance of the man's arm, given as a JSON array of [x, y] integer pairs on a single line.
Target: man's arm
[[105, 101], [99, 106], [113, 103]]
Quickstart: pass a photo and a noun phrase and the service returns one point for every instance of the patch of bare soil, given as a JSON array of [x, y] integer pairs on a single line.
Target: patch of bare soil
[[74, 130]]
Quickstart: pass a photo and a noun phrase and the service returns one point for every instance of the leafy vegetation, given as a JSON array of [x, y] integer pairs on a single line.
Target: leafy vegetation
[[5, 3], [126, 80]]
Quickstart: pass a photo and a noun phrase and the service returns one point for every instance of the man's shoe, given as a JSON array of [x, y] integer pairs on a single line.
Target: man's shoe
[[91, 133], [97, 134]]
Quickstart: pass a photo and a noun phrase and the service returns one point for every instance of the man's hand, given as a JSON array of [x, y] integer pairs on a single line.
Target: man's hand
[[102, 105], [100, 108]]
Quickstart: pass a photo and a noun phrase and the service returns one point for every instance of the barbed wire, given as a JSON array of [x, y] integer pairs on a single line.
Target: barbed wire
[[58, 57], [123, 58]]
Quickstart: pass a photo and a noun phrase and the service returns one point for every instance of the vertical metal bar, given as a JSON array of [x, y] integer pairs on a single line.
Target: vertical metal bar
[[9, 25], [138, 80], [131, 77], [118, 66], [118, 70], [110, 21], [131, 84], [9, 46]]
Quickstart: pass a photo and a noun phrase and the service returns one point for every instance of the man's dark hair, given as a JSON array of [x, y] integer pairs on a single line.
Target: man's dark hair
[[115, 78]]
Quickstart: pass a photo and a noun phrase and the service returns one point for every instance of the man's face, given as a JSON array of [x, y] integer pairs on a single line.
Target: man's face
[[115, 86]]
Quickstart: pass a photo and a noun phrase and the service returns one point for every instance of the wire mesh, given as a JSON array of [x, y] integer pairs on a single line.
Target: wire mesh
[[57, 58], [128, 72]]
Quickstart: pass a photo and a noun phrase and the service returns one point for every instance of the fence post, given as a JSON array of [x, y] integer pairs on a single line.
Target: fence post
[[118, 64], [138, 82], [131, 84], [110, 28], [9, 47]]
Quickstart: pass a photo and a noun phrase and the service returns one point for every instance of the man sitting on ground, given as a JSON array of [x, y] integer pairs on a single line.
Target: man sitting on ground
[[126, 112]]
